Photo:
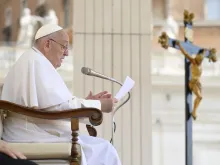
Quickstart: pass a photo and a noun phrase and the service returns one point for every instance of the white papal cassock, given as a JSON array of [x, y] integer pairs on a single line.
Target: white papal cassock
[[34, 82]]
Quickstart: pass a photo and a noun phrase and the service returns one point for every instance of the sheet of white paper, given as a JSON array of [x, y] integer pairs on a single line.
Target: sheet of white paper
[[126, 87]]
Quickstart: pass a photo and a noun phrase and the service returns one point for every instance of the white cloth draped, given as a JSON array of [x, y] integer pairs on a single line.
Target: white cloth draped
[[34, 82]]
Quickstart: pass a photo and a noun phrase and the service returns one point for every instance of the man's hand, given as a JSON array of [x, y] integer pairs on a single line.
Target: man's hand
[[107, 104], [98, 96], [4, 148]]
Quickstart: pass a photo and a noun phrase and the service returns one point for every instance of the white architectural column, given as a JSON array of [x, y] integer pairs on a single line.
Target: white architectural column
[[114, 37]]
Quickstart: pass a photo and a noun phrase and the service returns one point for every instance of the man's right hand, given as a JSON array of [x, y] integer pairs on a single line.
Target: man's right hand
[[107, 104], [4, 148]]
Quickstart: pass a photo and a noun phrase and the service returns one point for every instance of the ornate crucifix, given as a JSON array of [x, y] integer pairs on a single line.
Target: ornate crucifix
[[193, 72]]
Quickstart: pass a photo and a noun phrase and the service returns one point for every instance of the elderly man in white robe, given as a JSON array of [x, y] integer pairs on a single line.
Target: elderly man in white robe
[[34, 82]]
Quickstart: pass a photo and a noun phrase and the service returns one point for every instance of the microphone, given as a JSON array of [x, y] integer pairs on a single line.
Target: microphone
[[90, 72]]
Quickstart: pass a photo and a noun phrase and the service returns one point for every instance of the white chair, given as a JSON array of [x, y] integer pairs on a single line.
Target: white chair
[[52, 153]]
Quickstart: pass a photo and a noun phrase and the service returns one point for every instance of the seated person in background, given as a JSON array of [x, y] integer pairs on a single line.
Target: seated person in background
[[34, 82], [12, 157]]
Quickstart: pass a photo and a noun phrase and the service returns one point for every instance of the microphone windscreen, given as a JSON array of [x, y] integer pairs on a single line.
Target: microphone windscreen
[[85, 70]]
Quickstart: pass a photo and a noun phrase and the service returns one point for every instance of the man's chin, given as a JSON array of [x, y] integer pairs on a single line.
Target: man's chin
[[58, 65]]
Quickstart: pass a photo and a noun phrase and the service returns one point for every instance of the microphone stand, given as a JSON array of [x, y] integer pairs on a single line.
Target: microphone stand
[[87, 71], [115, 110]]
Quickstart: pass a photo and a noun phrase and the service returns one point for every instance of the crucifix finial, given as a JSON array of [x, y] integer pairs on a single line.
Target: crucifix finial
[[188, 17]]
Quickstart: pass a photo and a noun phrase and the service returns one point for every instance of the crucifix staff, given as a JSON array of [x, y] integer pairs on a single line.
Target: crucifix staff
[[193, 72]]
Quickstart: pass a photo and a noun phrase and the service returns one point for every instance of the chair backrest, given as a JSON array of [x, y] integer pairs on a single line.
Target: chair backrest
[[1, 114]]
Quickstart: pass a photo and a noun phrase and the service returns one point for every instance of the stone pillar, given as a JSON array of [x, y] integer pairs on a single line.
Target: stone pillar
[[114, 38]]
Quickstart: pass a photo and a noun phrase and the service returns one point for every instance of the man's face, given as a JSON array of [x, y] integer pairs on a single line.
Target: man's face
[[59, 44]]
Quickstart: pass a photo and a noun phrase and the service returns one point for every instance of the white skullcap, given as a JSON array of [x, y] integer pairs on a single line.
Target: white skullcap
[[46, 30]]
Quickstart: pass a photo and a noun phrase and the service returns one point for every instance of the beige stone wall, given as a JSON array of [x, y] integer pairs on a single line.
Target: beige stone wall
[[176, 8]]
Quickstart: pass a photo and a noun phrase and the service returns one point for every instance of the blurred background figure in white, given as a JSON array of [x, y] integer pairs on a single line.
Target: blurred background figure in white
[[171, 27], [51, 18], [26, 30]]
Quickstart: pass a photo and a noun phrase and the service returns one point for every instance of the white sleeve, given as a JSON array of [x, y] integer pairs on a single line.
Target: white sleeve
[[76, 103]]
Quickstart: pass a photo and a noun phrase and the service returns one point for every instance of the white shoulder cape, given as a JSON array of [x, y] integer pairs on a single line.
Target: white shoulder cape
[[33, 81]]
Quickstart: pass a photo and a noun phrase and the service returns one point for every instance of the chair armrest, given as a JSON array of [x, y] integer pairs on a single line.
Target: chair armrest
[[95, 115]]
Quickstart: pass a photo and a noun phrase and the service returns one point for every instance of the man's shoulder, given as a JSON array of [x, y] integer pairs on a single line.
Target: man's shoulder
[[30, 56]]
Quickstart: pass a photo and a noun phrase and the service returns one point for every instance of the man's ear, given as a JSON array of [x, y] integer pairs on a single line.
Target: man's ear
[[47, 45]]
